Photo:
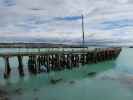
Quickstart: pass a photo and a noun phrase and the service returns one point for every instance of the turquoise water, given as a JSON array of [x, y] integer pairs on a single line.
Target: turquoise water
[[113, 81]]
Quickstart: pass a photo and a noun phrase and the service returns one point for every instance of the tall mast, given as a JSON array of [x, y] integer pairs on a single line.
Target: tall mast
[[83, 36]]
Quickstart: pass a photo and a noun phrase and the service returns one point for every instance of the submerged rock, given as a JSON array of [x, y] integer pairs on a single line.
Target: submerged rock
[[18, 91], [130, 46], [36, 90], [91, 73], [3, 95], [2, 92], [4, 98], [36, 98], [55, 81], [72, 82]]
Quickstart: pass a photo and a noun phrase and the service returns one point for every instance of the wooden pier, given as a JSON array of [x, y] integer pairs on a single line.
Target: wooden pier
[[47, 61]]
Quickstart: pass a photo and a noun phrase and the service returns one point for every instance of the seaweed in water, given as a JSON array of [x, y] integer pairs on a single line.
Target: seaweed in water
[[3, 95], [72, 82], [55, 81], [91, 74], [18, 91]]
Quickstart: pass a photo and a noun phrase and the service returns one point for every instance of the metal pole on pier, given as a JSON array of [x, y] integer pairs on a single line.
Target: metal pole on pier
[[83, 36]]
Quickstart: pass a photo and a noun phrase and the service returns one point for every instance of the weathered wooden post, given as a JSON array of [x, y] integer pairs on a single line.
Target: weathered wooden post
[[79, 55], [20, 66], [85, 61], [98, 57], [88, 58], [7, 67], [39, 63], [32, 65], [43, 60], [62, 62], [59, 62], [51, 62], [107, 54], [72, 60], [35, 64], [69, 61], [83, 58], [54, 60], [75, 63], [102, 56], [95, 55], [48, 63], [76, 60]]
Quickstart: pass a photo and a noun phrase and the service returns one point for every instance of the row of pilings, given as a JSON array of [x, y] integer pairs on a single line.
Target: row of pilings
[[60, 61]]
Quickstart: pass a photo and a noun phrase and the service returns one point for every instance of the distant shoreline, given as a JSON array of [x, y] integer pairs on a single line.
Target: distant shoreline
[[37, 45], [53, 45]]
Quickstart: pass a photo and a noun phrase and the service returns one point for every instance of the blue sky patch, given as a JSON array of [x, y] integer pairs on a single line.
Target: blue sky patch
[[36, 20], [68, 18], [116, 24], [26, 27], [8, 3]]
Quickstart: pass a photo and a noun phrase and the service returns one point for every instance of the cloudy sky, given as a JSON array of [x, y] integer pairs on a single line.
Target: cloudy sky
[[104, 19]]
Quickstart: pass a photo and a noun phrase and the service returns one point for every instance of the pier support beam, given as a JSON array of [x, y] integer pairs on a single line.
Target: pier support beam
[[69, 61], [83, 59], [39, 64], [7, 68], [35, 64], [32, 65], [20, 66]]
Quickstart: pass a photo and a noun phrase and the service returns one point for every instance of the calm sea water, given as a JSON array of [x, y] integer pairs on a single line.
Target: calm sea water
[[113, 81]]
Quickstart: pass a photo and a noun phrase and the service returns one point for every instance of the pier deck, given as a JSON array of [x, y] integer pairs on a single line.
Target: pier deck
[[38, 45], [55, 60], [50, 52]]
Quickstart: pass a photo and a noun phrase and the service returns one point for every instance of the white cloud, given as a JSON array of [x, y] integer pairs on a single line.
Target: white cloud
[[36, 18]]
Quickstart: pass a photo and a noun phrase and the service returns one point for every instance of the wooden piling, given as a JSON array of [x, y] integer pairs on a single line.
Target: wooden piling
[[32, 65], [20, 66], [82, 59], [48, 63], [35, 64], [59, 61], [69, 61], [7, 67], [39, 63]]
